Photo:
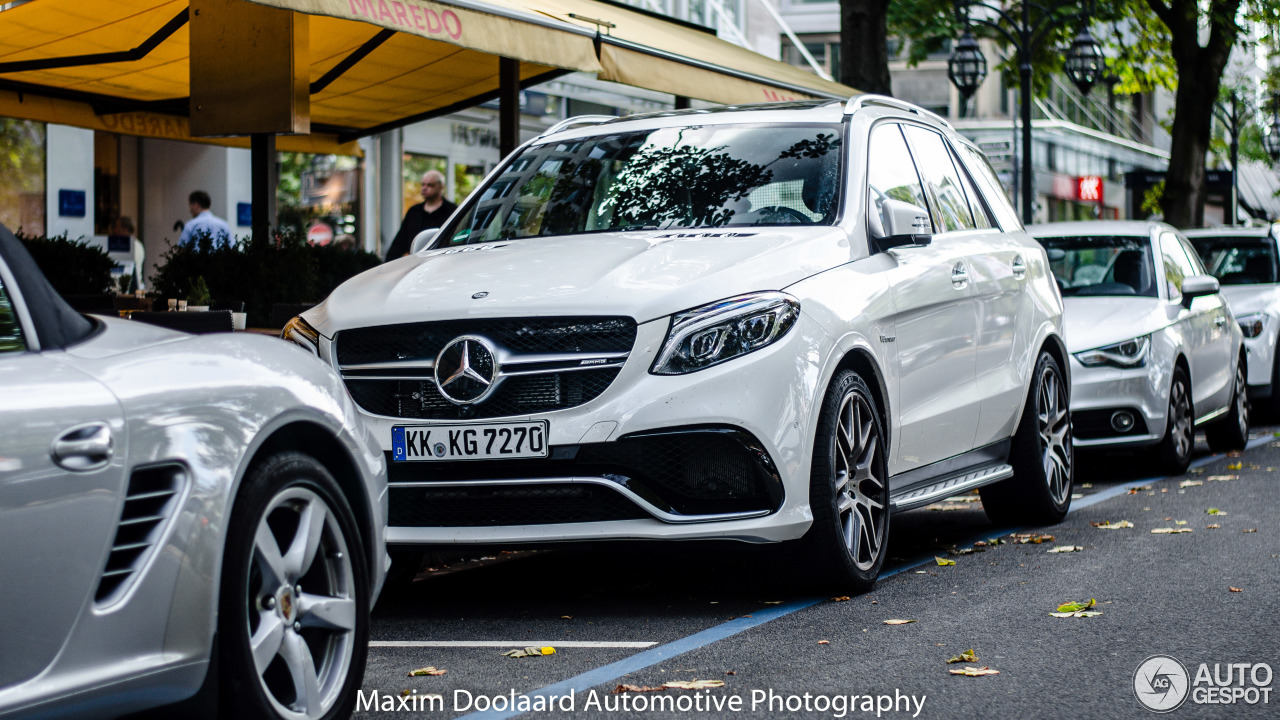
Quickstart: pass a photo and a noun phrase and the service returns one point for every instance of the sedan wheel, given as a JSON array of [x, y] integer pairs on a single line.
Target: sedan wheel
[[295, 608], [1174, 451], [1232, 431], [860, 498]]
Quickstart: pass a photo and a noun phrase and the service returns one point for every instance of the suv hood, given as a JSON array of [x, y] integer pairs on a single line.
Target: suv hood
[[1093, 322], [640, 274], [1250, 299]]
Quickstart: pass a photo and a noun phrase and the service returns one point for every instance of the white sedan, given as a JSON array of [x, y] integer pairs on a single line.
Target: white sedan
[[1244, 261], [1155, 352]]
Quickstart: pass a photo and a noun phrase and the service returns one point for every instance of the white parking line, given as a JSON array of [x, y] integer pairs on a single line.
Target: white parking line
[[508, 643]]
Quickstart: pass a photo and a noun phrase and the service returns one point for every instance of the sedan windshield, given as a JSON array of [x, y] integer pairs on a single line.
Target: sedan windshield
[[1102, 265], [707, 176], [1238, 260]]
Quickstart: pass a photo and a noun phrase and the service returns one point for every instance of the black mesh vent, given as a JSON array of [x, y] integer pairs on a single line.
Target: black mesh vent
[[1096, 424], [690, 472], [423, 341], [488, 506], [518, 395], [149, 501]]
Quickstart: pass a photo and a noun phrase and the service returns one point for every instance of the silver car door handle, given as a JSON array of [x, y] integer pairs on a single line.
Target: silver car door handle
[[1019, 268], [1220, 321], [959, 275], [83, 448]]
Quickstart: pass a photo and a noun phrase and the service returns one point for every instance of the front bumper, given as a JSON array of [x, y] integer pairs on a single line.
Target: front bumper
[[745, 422], [1098, 392]]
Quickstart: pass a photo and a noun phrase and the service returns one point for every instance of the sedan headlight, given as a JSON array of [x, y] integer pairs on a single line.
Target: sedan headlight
[[1252, 325], [723, 330], [300, 332], [1128, 354]]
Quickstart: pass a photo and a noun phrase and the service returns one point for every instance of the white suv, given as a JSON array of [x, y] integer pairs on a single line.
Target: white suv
[[764, 323]]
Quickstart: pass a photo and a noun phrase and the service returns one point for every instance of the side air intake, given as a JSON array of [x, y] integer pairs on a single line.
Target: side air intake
[[151, 500]]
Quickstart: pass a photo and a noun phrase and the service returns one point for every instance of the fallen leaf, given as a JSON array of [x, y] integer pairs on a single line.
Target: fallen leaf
[[731, 672], [1233, 453], [898, 622], [530, 652], [921, 572], [974, 671], [966, 656], [405, 692], [1078, 613], [1133, 491], [1249, 530], [1214, 526], [1236, 589], [1223, 478], [943, 561], [636, 688], [1033, 538], [1077, 609], [824, 642], [566, 617], [1086, 485], [1170, 531], [1179, 522], [426, 671], [1215, 511], [771, 602], [693, 684], [1190, 483], [1075, 606], [1067, 549], [980, 543], [1077, 496], [1235, 466], [1112, 525], [962, 551], [841, 598]]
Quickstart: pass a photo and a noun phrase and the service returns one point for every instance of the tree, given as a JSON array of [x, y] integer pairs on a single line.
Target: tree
[[864, 55]]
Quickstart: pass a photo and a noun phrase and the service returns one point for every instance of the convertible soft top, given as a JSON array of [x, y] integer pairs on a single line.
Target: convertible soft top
[[57, 326]]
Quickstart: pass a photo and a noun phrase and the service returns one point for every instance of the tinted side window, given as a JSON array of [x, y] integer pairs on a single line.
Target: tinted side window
[[991, 188], [951, 208], [981, 214], [1196, 263], [10, 331], [1177, 265], [891, 175]]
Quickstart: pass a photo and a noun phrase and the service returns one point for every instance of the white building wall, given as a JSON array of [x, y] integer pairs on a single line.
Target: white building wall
[[68, 166], [239, 189]]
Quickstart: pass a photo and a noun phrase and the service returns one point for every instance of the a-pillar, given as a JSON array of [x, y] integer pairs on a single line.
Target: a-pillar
[[508, 105]]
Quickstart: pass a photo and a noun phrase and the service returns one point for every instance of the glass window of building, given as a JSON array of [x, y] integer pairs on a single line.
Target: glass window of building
[[318, 189], [22, 163]]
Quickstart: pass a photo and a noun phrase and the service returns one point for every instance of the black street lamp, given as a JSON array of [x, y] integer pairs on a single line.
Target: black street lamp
[[1084, 65], [967, 66]]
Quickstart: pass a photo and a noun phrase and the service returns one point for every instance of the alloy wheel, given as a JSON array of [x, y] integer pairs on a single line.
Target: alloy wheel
[[861, 495], [301, 605], [1242, 403], [1180, 411], [1054, 425]]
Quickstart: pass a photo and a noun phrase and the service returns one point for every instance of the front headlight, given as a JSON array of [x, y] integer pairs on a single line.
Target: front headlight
[[723, 330], [1252, 325], [300, 332], [1128, 354]]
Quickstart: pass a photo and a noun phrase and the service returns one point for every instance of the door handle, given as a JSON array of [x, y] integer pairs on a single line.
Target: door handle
[[83, 448], [959, 275], [1220, 321], [1019, 268]]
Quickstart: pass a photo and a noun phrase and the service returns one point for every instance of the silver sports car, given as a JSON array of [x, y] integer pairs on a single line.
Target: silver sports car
[[183, 520]]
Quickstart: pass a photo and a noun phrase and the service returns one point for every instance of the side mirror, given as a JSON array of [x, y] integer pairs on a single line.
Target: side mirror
[[423, 239], [905, 224], [1056, 254], [1198, 286]]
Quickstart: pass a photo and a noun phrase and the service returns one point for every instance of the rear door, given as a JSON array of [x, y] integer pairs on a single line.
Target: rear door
[[60, 494], [937, 404], [1205, 328]]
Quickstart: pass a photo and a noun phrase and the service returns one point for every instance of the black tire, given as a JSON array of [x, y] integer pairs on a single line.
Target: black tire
[[1042, 455], [845, 548], [305, 607], [1173, 454], [1231, 432]]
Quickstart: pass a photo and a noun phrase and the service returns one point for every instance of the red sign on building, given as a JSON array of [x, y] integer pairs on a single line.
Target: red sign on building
[[1089, 189]]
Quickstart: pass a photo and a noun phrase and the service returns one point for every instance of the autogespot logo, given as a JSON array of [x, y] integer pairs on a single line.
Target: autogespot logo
[[1161, 683]]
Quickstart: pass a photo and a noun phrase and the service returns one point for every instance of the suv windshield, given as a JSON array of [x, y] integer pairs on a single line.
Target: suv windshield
[[698, 176], [1107, 265], [1238, 260]]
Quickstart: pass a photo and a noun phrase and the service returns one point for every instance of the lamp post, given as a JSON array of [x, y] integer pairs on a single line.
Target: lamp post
[[1084, 65], [1229, 116]]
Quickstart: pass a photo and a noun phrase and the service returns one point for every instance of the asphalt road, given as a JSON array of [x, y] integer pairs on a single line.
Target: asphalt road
[[730, 613]]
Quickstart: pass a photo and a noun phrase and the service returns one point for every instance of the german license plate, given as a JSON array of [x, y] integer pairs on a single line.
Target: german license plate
[[479, 441]]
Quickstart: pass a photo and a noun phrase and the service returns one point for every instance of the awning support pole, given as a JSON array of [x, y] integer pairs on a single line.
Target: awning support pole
[[508, 105], [262, 161], [682, 103]]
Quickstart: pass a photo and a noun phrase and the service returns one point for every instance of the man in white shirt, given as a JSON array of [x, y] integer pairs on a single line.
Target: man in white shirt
[[204, 223]]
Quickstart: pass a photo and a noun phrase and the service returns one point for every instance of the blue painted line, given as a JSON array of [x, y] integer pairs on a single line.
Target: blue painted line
[[653, 656]]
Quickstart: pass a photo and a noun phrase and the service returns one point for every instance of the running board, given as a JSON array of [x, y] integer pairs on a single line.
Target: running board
[[923, 495]]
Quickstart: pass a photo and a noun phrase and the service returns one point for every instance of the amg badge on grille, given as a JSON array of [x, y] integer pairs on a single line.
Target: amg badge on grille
[[466, 370]]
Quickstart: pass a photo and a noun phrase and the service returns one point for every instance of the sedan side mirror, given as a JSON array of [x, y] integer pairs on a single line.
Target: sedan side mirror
[[423, 239], [905, 224], [1198, 286]]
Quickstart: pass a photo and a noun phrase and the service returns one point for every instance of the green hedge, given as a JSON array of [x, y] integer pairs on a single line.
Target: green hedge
[[283, 270], [73, 267]]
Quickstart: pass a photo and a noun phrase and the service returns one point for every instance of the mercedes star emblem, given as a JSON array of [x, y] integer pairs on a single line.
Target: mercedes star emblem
[[466, 370]]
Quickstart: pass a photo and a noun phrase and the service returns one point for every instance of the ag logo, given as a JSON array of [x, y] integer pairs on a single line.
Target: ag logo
[[1161, 683]]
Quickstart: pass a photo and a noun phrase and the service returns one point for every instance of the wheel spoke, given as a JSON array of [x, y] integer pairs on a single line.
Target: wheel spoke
[[265, 644], [267, 552], [303, 672], [326, 612], [302, 551], [854, 537], [844, 503]]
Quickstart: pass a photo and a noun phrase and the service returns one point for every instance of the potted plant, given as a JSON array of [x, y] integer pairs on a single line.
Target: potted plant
[[198, 298]]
